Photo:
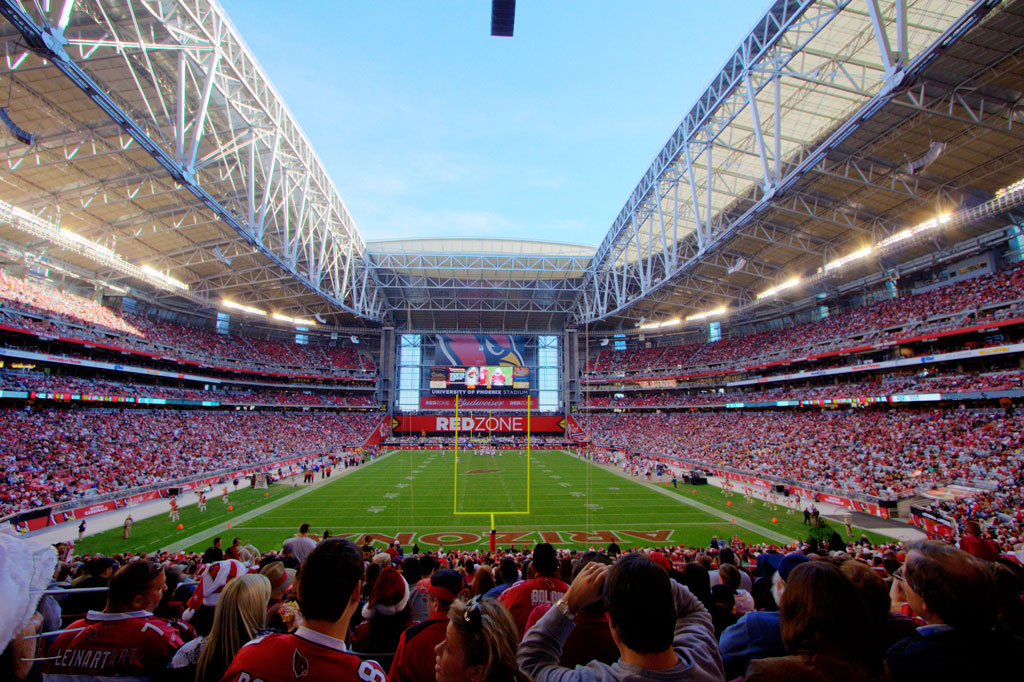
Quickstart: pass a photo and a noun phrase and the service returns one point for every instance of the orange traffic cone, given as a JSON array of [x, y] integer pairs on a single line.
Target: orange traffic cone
[[694, 491], [181, 526], [729, 503], [774, 520], [231, 508], [266, 494], [229, 526]]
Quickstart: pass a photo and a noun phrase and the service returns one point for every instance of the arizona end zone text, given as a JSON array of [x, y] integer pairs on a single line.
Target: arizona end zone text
[[453, 538]]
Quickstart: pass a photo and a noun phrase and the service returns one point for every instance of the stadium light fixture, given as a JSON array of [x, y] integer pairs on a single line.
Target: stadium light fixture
[[244, 308], [659, 325], [849, 258], [705, 315], [788, 284], [86, 243], [298, 322], [113, 287], [1010, 188], [163, 278], [916, 230]]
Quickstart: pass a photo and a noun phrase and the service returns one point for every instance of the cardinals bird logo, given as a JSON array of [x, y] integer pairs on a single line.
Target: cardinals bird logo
[[300, 666], [480, 349]]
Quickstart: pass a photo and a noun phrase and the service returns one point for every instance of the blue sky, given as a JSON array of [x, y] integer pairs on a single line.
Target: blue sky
[[432, 128]]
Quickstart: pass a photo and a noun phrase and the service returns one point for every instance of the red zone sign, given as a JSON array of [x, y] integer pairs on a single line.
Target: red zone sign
[[466, 424]]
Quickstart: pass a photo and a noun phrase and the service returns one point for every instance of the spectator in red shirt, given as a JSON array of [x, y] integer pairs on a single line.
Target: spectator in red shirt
[[234, 550], [543, 588], [591, 639], [125, 640], [328, 588], [977, 546], [414, 659]]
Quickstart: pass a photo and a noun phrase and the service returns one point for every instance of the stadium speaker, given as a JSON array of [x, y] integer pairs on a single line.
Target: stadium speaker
[[503, 17], [780, 489], [21, 134]]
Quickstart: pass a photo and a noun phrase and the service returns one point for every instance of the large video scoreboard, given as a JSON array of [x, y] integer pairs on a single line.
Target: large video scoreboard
[[484, 371], [493, 380]]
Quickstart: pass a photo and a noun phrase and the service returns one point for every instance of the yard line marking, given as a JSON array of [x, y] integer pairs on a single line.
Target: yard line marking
[[259, 511]]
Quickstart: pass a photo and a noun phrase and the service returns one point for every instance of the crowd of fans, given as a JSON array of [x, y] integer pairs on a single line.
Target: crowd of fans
[[937, 309], [29, 305], [48, 383], [1000, 509], [952, 382], [50, 456], [882, 453], [324, 608]]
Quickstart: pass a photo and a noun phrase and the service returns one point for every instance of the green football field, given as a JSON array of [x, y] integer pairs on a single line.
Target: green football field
[[425, 497]]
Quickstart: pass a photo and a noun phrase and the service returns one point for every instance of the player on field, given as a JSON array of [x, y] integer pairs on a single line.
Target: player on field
[[328, 586], [224, 495], [202, 502], [174, 509]]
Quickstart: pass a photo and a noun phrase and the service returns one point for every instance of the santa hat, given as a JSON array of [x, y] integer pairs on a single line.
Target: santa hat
[[212, 579], [660, 559], [389, 596]]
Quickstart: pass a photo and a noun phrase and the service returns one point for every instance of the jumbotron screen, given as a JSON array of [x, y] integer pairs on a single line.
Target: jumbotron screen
[[480, 380]]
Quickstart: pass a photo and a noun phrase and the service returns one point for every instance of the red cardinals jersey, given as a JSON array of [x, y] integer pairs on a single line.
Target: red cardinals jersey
[[307, 655], [414, 658], [523, 596], [115, 646]]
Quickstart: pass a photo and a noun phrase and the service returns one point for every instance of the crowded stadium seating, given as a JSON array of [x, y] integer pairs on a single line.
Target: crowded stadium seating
[[25, 304], [881, 453], [73, 454], [946, 307]]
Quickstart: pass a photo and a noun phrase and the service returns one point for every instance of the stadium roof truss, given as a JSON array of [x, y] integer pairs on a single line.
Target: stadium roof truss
[[505, 284], [803, 149], [181, 154], [834, 124]]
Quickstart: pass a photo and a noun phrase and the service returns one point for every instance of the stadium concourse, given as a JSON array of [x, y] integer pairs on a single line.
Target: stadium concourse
[[814, 297]]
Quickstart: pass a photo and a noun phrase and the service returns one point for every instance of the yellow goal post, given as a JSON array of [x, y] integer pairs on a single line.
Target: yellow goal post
[[455, 486]]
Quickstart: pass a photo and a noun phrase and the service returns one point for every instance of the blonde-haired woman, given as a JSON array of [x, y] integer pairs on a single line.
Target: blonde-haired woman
[[479, 644], [239, 618]]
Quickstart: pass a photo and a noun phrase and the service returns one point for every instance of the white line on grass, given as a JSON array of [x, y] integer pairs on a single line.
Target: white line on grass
[[742, 523], [252, 514]]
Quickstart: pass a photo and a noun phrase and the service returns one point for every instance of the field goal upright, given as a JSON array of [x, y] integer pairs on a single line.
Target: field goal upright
[[475, 432], [455, 487]]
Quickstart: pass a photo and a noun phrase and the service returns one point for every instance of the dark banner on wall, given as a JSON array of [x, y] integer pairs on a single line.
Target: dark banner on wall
[[416, 425], [480, 349]]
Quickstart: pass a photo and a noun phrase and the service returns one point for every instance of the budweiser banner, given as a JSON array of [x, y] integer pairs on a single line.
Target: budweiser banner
[[473, 403]]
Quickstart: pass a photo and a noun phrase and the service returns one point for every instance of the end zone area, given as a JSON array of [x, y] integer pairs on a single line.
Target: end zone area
[[408, 496]]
